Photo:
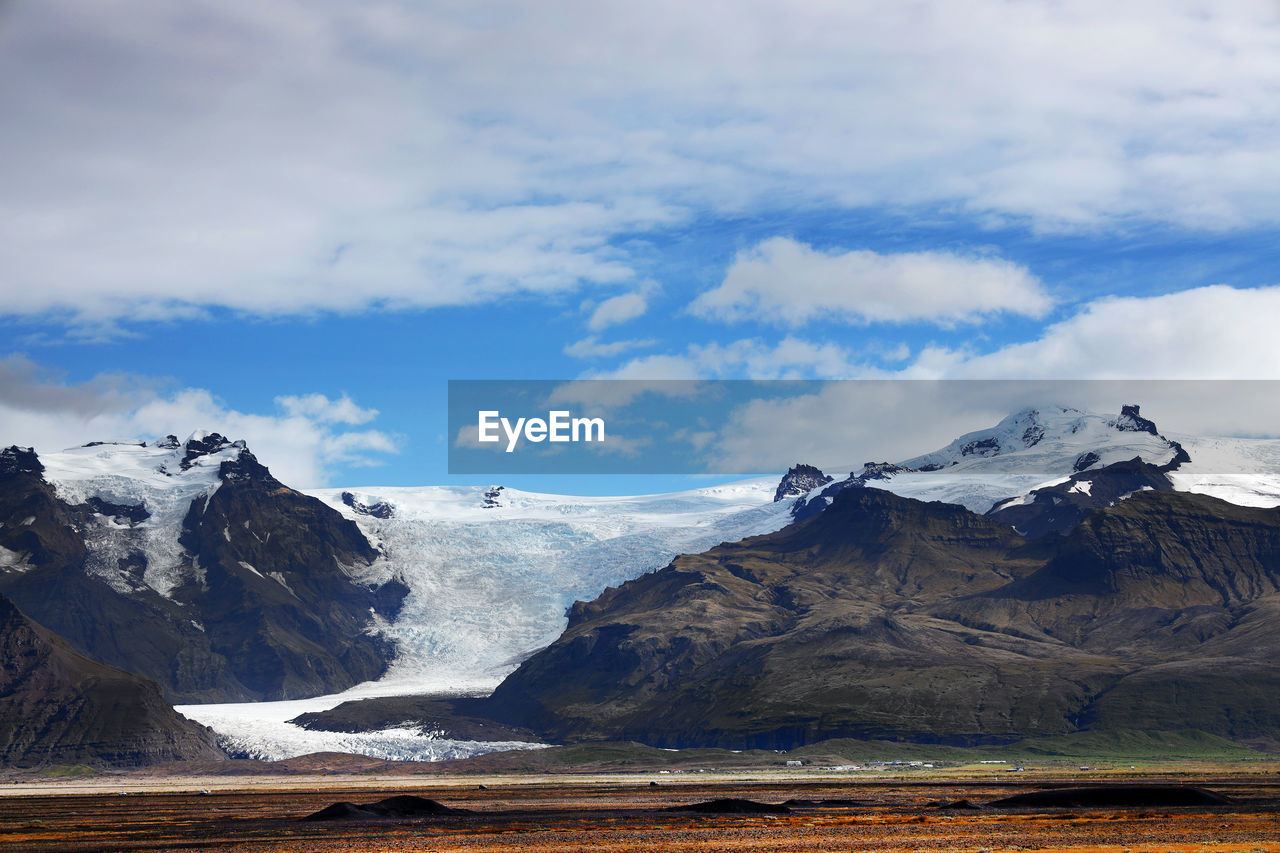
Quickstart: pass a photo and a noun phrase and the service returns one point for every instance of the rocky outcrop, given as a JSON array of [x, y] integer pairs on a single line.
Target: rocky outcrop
[[799, 479], [58, 706], [1131, 420], [455, 719], [378, 509], [280, 596], [1062, 506]]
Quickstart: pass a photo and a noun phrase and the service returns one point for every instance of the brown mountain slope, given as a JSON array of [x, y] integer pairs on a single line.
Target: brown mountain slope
[[59, 707], [887, 617]]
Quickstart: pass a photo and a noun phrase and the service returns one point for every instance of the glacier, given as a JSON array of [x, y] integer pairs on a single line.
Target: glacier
[[262, 730]]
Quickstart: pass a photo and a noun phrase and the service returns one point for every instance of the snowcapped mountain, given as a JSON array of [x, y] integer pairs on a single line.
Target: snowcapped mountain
[[1024, 451], [189, 564]]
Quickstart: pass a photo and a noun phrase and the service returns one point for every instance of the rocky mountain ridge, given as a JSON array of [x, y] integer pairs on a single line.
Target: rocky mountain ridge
[[58, 706], [196, 568], [886, 617]]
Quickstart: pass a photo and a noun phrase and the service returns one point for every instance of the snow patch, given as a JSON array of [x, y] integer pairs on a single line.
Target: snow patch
[[13, 561], [1128, 495], [280, 579]]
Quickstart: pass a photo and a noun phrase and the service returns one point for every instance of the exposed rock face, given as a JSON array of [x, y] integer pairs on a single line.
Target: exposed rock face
[[273, 600], [380, 509], [799, 480], [456, 719], [887, 617], [1059, 508], [1085, 461], [807, 508], [280, 598], [1131, 420], [59, 707]]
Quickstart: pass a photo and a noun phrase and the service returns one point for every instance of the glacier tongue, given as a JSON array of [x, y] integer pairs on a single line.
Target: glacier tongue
[[491, 584], [1244, 471], [261, 730]]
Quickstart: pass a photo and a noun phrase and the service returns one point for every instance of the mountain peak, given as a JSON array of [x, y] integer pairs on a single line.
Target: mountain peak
[[799, 479], [20, 460], [203, 443], [1131, 420]]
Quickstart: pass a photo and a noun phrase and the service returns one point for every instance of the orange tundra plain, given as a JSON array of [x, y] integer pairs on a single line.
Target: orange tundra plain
[[600, 813]]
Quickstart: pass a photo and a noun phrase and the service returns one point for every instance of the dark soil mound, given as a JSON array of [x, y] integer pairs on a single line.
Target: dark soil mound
[[405, 806], [732, 806], [1115, 796], [964, 805], [342, 811], [822, 804], [392, 808]]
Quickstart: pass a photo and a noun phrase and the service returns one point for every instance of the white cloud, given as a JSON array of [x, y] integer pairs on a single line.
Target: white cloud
[[1215, 332], [782, 281], [618, 309], [282, 157], [749, 358], [300, 443], [320, 408], [591, 347]]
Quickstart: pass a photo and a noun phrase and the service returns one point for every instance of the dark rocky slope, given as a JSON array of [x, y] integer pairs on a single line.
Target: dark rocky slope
[[59, 707], [1059, 508], [887, 617], [274, 605]]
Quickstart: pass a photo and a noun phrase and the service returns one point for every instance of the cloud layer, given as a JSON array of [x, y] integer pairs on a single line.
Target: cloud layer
[[785, 282], [1215, 332], [284, 157]]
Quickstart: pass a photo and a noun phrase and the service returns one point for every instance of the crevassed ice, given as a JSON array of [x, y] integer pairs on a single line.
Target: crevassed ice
[[490, 586]]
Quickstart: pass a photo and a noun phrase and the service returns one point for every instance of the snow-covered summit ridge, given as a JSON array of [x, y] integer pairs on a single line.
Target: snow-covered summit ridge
[[142, 492], [112, 469], [1049, 435], [1022, 452]]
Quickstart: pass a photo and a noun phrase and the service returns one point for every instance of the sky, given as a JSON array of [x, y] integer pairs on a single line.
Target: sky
[[294, 222]]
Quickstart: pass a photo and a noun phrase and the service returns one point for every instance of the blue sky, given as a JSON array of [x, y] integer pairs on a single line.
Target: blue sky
[[295, 222]]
